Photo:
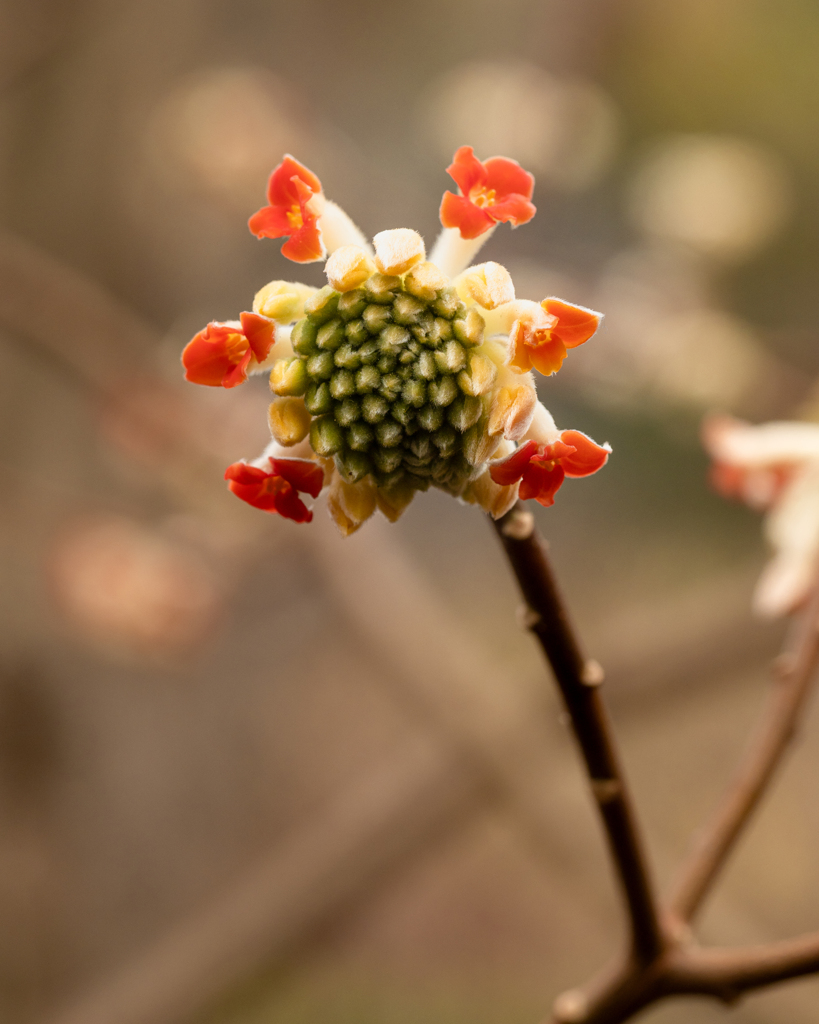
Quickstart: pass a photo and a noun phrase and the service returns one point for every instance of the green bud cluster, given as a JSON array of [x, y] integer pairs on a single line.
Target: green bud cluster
[[381, 369]]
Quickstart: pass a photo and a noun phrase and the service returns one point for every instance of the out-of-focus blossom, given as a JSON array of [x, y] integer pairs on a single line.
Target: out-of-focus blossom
[[222, 129], [493, 191], [127, 587], [563, 129], [775, 468], [276, 488], [725, 197], [394, 378], [221, 354]]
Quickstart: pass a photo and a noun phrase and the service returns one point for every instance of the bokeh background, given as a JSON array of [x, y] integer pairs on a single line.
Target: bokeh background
[[250, 772]]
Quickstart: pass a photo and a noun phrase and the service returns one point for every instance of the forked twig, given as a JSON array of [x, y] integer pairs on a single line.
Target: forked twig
[[663, 959]]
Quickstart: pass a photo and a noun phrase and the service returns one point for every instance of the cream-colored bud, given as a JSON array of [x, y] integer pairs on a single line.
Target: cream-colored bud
[[394, 501], [282, 301], [348, 267], [492, 498], [289, 421], [397, 250], [424, 281], [513, 409], [481, 375], [488, 284], [350, 505]]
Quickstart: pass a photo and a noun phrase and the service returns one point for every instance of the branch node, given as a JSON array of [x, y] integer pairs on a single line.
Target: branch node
[[606, 790], [518, 524], [592, 674], [527, 617], [571, 1007]]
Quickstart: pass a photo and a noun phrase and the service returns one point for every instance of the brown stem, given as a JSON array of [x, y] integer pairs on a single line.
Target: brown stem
[[794, 673], [578, 682]]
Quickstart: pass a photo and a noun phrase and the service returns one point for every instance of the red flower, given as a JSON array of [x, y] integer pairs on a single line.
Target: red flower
[[496, 190], [277, 490], [220, 354], [542, 468], [294, 194], [544, 345]]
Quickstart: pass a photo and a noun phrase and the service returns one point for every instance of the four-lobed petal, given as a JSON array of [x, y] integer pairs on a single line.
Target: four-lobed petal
[[295, 201], [221, 353], [277, 489]]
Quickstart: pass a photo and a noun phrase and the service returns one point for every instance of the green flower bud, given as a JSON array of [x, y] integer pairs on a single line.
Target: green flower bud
[[431, 417], [422, 448], [402, 412], [353, 466], [440, 331], [368, 353], [470, 329], [444, 391], [342, 384], [389, 434], [406, 309], [381, 288], [356, 331], [347, 357], [447, 303], [386, 363], [348, 412], [351, 304], [387, 460], [325, 436], [303, 338], [376, 318], [321, 365], [451, 358], [318, 400], [390, 386], [367, 379], [464, 412], [374, 408], [322, 306], [414, 393], [393, 337], [446, 441], [426, 366], [360, 436], [331, 335]]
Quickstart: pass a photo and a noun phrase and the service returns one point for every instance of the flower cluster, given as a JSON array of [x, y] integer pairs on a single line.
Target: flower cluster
[[403, 372], [774, 468]]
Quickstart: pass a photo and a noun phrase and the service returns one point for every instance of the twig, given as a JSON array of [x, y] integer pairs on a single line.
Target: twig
[[794, 672], [578, 680]]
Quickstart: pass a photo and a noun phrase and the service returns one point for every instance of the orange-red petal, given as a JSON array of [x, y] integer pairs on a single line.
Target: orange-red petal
[[304, 245], [575, 324], [506, 177], [514, 208], [588, 456], [541, 482], [466, 170], [510, 469], [282, 190], [260, 333], [460, 212], [273, 491], [304, 474], [217, 356]]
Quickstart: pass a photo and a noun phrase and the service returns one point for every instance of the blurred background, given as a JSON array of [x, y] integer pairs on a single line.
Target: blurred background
[[250, 772]]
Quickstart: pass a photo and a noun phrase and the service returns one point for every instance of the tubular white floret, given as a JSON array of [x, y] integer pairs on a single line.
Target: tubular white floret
[[453, 254], [337, 229]]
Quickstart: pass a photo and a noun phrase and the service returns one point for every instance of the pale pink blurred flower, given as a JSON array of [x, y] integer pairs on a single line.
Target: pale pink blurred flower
[[125, 586], [773, 467]]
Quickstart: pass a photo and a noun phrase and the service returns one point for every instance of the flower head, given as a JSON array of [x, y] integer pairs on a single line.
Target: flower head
[[494, 190], [277, 489], [541, 468], [295, 203], [221, 354], [773, 467], [406, 371]]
